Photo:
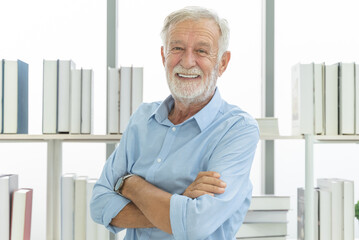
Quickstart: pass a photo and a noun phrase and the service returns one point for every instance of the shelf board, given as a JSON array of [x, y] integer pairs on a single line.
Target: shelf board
[[63, 137], [279, 137], [337, 138]]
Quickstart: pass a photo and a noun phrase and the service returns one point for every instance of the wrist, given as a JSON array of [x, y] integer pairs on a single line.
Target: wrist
[[121, 183]]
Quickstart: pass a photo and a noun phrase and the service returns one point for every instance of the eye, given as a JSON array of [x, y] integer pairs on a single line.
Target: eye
[[202, 52], [177, 49]]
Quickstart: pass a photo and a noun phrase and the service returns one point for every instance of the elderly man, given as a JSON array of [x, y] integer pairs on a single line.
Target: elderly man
[[182, 168]]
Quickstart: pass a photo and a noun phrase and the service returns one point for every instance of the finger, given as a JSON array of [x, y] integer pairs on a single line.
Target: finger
[[197, 193], [209, 188], [208, 173], [211, 181]]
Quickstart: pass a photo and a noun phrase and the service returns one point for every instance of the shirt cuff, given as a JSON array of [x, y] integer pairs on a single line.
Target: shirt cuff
[[178, 213], [111, 210]]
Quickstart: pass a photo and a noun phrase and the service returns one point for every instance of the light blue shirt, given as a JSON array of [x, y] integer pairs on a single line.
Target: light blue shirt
[[220, 137]]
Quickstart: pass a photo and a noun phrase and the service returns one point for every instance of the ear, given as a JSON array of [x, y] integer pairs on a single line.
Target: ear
[[224, 62], [163, 56]]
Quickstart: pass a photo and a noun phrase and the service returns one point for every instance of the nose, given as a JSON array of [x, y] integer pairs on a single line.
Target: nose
[[188, 59]]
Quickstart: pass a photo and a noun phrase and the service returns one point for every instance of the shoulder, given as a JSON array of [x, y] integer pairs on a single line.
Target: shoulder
[[145, 110]]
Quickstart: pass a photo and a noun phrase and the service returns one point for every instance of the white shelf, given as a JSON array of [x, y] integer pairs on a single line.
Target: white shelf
[[279, 137], [62, 137]]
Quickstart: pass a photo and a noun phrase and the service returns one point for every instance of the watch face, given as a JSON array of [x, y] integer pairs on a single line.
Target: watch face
[[118, 184]]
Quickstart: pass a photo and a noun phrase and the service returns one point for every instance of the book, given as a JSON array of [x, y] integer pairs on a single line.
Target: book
[[67, 206], [136, 88], [113, 101], [125, 97], [80, 208], [301, 214], [303, 99], [319, 98], [87, 101], [348, 209], [1, 95], [263, 238], [266, 216], [356, 99], [336, 189], [21, 214], [268, 126], [331, 99], [49, 97], [270, 202], [91, 226], [262, 230], [8, 184], [63, 95], [346, 98], [15, 97], [75, 102], [325, 214]]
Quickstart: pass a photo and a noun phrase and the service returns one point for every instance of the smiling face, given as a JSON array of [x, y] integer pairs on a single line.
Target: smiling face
[[190, 60]]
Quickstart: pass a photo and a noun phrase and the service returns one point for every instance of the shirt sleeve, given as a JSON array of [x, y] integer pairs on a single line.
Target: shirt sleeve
[[105, 202], [232, 158]]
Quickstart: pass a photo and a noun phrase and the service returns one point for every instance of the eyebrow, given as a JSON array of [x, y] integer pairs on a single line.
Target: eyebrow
[[205, 44]]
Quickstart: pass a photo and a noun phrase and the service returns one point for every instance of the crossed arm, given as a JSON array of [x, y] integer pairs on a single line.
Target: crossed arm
[[150, 206]]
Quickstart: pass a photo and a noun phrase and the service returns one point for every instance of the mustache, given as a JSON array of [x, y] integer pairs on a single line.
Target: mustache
[[191, 71]]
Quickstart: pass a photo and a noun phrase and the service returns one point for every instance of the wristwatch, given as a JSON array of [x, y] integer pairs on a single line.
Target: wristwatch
[[120, 182]]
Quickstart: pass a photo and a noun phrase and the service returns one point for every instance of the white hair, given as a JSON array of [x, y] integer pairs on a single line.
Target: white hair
[[197, 13]]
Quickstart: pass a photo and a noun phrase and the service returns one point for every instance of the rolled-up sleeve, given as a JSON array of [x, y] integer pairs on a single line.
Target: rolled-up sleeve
[[232, 158], [105, 202]]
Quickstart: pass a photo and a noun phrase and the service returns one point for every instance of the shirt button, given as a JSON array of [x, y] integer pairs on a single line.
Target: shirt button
[[173, 129], [159, 160]]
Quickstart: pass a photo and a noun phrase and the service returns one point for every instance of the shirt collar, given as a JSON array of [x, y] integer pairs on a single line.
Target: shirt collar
[[203, 118]]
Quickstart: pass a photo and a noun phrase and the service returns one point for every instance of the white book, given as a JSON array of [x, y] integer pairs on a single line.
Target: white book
[[356, 99], [49, 97], [15, 97], [91, 226], [268, 126], [136, 88], [1, 94], [80, 208], [336, 189], [8, 184], [303, 99], [348, 209], [21, 214], [346, 98], [325, 214], [75, 102], [262, 230], [113, 101], [63, 97], [67, 206], [331, 99], [266, 217], [318, 98], [125, 97], [301, 213], [102, 232], [270, 202], [264, 238], [87, 101]]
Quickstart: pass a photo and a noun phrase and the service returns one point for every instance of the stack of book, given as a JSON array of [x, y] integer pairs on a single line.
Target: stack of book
[[325, 99], [266, 219], [268, 126], [15, 209], [124, 95], [76, 221], [333, 210], [14, 78], [67, 98]]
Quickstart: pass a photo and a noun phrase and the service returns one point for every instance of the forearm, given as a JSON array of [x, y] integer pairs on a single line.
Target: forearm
[[131, 217], [153, 202]]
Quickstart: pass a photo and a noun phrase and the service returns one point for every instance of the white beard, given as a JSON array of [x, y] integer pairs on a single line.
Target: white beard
[[192, 91]]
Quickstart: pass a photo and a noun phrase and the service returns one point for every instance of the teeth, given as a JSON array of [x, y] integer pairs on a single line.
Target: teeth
[[188, 76]]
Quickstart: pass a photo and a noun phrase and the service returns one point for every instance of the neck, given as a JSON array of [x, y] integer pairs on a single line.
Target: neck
[[183, 110]]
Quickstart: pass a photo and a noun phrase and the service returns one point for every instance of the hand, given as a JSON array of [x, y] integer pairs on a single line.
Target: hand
[[205, 183]]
